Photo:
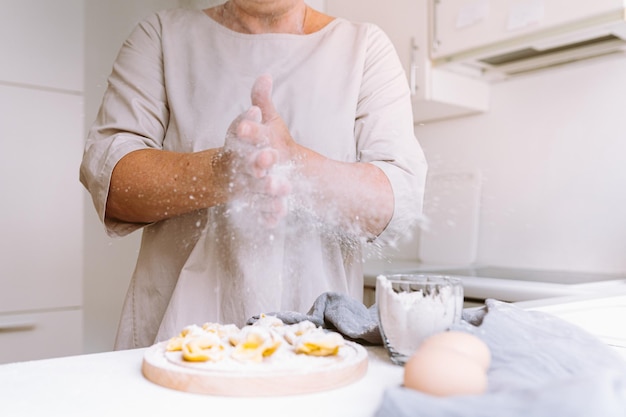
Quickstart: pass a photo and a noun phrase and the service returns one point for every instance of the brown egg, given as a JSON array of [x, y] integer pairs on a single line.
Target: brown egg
[[461, 342], [444, 372]]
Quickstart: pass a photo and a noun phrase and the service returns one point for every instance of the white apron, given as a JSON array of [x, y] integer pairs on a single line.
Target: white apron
[[235, 271]]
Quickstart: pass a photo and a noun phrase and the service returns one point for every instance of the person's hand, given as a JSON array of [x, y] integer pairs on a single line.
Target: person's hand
[[256, 181], [275, 130]]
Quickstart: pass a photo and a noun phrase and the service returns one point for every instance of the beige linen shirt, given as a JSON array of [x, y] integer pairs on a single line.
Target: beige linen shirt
[[178, 82]]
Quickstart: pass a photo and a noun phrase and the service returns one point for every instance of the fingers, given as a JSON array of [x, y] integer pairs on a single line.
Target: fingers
[[272, 219], [261, 162], [262, 97], [277, 186], [256, 168], [272, 205], [245, 130], [271, 186], [267, 199], [250, 129], [252, 115]]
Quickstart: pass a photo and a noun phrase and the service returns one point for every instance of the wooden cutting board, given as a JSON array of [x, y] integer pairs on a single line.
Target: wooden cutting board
[[299, 374]]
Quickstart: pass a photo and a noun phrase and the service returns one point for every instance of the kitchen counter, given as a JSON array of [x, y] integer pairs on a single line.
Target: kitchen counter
[[110, 384], [601, 315], [507, 284]]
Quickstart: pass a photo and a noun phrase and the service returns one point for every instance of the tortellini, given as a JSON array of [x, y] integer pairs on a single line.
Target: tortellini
[[253, 343]]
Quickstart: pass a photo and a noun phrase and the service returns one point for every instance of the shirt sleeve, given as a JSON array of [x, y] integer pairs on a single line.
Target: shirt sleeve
[[133, 115], [385, 133]]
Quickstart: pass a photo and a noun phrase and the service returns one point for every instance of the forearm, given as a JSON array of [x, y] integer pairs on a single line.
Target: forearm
[[357, 197], [149, 185]]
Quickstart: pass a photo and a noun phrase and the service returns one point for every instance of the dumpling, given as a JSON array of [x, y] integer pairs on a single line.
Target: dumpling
[[203, 348], [319, 343], [254, 343]]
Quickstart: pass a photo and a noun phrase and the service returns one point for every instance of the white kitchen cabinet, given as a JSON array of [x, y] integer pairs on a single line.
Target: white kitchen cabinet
[[464, 25], [40, 218], [41, 208], [437, 94], [493, 40], [40, 335], [41, 43]]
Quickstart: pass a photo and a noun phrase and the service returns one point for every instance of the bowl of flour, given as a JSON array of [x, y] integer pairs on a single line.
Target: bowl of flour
[[412, 307]]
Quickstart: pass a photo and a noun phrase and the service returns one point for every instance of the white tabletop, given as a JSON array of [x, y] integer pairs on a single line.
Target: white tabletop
[[111, 384]]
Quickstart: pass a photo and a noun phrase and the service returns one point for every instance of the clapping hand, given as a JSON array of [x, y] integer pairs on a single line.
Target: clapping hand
[[260, 150]]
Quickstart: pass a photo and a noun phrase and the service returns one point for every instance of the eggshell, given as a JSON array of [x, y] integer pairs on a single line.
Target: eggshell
[[461, 342], [444, 372]]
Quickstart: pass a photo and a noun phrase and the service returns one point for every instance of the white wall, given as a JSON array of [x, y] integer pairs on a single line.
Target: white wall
[[552, 151]]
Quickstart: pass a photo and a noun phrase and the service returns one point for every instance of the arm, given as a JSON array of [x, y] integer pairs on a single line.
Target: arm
[[185, 182], [361, 197], [149, 185], [380, 195], [354, 196], [132, 180]]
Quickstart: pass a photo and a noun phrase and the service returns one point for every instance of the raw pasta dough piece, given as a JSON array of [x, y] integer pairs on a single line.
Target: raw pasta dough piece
[[319, 343], [203, 348], [255, 343]]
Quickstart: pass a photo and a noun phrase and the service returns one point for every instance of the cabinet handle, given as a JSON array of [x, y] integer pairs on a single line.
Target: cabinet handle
[[414, 67], [17, 326], [435, 26]]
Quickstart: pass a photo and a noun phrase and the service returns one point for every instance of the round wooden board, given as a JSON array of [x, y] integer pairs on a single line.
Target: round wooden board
[[305, 374]]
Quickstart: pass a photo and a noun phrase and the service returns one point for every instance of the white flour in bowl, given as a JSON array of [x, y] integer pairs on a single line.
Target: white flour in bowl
[[408, 317]]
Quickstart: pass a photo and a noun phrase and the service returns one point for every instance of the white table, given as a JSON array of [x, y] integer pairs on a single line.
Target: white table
[[111, 384], [602, 316]]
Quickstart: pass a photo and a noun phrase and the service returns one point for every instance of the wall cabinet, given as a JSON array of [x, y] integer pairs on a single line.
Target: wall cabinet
[[437, 94], [494, 40], [465, 25], [41, 43]]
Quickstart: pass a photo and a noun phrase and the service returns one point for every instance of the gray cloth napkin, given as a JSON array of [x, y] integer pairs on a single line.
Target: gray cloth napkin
[[541, 366], [338, 312]]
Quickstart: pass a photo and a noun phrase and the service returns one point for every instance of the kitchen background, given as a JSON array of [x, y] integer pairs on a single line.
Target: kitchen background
[[535, 181]]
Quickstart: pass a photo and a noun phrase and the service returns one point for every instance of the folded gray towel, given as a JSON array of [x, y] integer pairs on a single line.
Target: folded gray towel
[[338, 312], [541, 366]]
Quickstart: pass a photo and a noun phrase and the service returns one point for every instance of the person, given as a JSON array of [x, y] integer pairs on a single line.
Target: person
[[259, 144]]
